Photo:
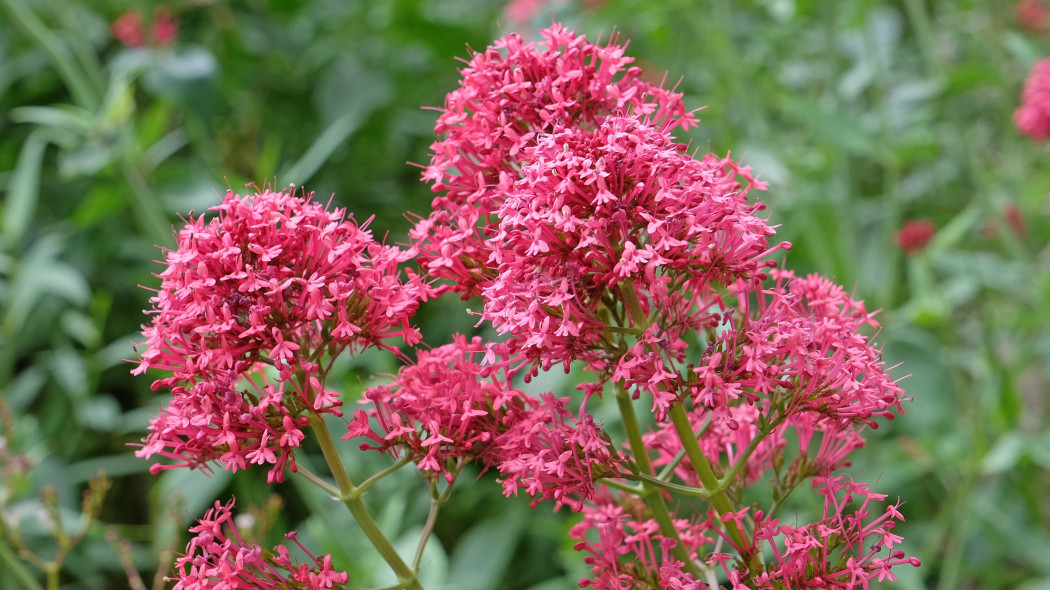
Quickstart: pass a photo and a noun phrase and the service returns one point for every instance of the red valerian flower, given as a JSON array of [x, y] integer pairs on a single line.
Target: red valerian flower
[[915, 234], [850, 547], [1033, 116], [274, 282], [600, 212], [625, 548], [217, 558], [510, 93], [447, 407], [440, 409]]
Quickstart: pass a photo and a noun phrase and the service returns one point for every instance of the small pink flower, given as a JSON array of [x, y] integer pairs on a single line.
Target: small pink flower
[[128, 29], [915, 234], [1033, 116], [165, 27]]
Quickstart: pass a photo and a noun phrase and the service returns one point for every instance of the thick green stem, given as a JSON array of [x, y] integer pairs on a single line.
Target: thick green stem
[[719, 499], [351, 496]]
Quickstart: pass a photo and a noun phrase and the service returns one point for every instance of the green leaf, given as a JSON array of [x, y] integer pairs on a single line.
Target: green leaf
[[23, 189], [481, 556]]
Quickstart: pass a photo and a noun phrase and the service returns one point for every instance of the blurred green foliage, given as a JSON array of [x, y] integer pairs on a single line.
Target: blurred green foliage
[[861, 115]]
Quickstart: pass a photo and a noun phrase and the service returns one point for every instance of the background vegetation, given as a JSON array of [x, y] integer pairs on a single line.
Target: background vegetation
[[861, 115]]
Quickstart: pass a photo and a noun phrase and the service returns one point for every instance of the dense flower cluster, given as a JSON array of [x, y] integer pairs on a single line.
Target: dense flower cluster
[[217, 558], [510, 94], [1033, 116], [594, 240], [626, 549], [446, 407], [600, 212], [274, 282]]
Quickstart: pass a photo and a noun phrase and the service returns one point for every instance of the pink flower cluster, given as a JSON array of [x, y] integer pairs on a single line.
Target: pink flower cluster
[[250, 304], [217, 558], [512, 93], [595, 241], [446, 408], [1033, 116]]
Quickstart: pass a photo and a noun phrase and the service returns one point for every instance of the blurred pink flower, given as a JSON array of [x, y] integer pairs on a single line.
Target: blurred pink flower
[[1031, 15], [128, 29], [1033, 116], [915, 234]]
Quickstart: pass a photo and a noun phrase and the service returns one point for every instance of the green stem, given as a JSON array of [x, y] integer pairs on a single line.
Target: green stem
[[79, 86], [673, 487], [17, 568], [741, 461], [372, 480], [719, 499], [146, 206], [655, 501], [351, 496]]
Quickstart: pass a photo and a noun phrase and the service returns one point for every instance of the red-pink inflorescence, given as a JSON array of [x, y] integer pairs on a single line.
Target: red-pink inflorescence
[[1033, 116], [217, 558], [510, 94], [251, 303], [446, 409]]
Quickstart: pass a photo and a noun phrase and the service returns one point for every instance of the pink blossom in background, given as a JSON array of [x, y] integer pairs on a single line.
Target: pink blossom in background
[[165, 27], [128, 29], [915, 234], [1033, 116], [217, 558], [1032, 15]]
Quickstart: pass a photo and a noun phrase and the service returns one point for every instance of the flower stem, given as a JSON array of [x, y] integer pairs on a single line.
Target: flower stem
[[719, 499], [655, 501], [351, 496]]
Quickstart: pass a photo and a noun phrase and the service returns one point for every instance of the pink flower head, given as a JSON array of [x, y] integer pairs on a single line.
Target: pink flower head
[[846, 549], [274, 281], [802, 349], [275, 278], [599, 212], [215, 420], [625, 548], [1033, 116], [511, 93], [441, 409], [165, 27], [217, 558], [915, 234], [554, 455]]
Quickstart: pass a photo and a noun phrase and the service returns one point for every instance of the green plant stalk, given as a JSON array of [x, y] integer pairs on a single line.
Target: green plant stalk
[[78, 84], [17, 568], [351, 497], [146, 206], [719, 499], [741, 461], [653, 498]]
